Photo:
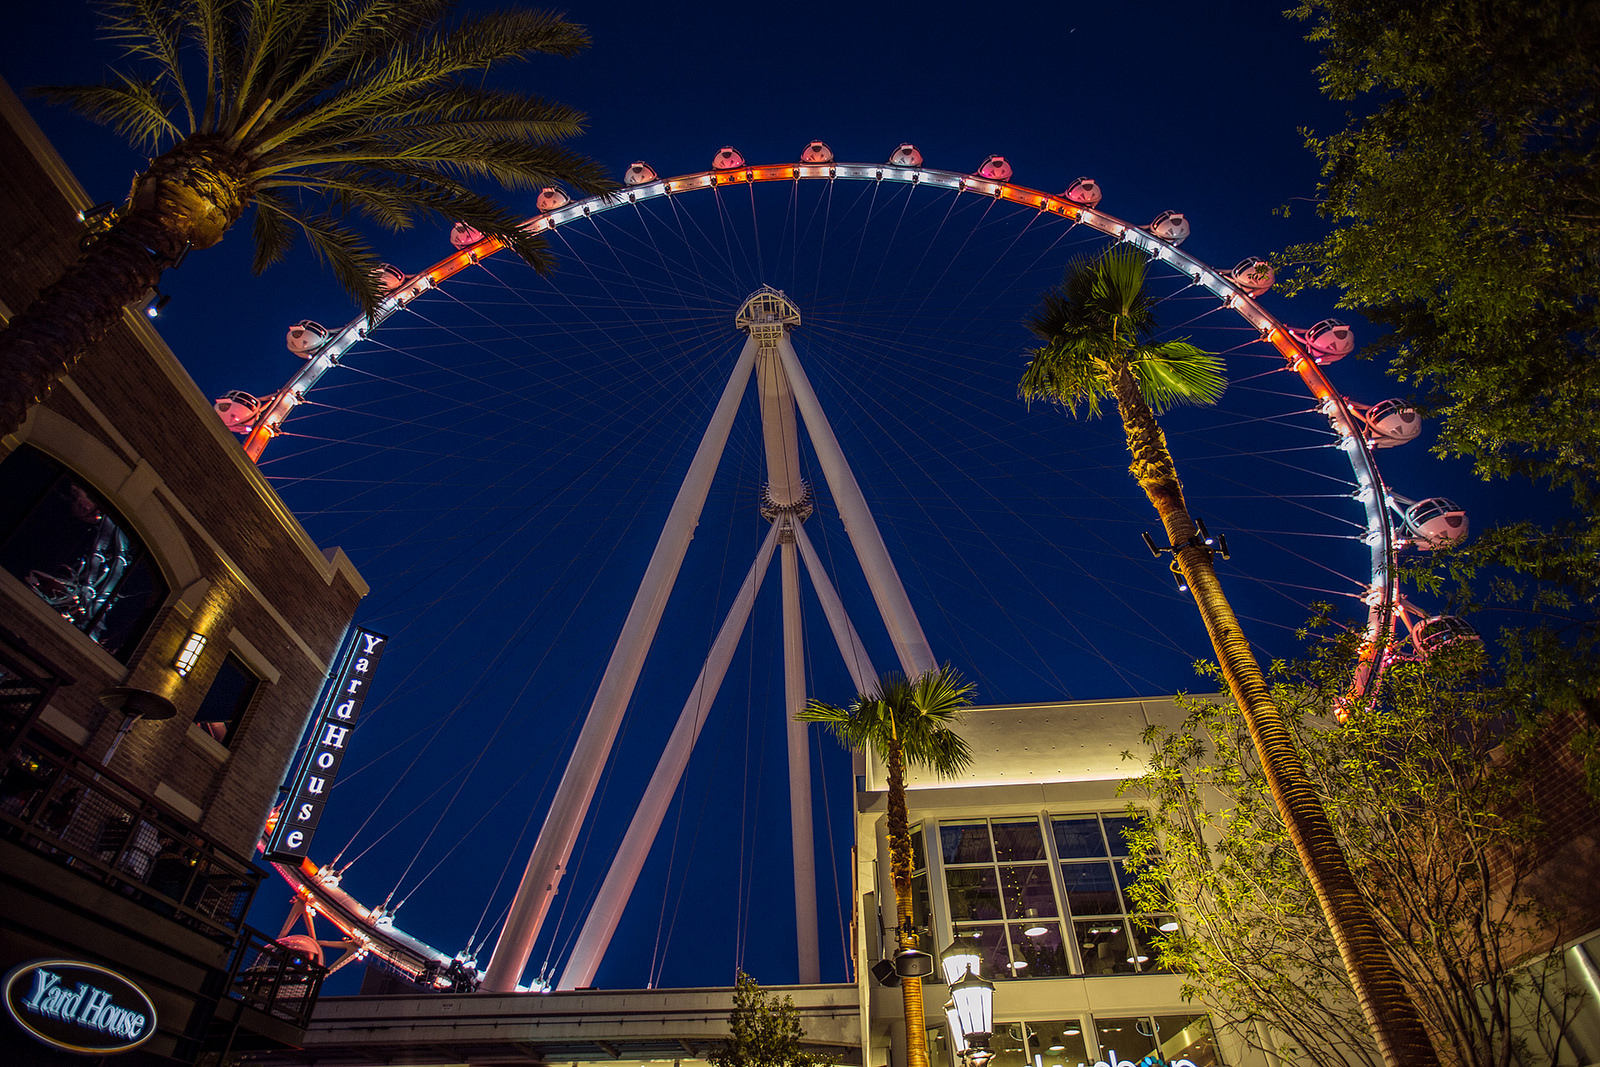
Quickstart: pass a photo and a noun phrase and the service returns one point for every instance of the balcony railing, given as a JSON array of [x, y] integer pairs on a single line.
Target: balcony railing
[[274, 979], [70, 809]]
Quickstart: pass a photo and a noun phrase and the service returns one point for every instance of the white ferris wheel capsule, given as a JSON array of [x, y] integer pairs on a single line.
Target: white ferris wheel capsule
[[995, 168], [1390, 423], [238, 410], [1435, 522], [906, 156], [639, 173], [389, 277], [1171, 227], [1084, 191], [727, 158], [551, 199], [305, 337], [1328, 341], [816, 152], [462, 235], [1253, 276]]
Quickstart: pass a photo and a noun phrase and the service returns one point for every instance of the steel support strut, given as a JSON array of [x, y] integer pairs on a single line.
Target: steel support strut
[[573, 795], [606, 911]]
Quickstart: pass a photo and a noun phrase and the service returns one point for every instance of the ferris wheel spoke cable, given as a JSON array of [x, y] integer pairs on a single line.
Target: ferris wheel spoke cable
[[985, 487]]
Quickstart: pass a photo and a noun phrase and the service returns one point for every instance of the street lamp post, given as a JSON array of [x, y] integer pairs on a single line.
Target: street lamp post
[[971, 1007]]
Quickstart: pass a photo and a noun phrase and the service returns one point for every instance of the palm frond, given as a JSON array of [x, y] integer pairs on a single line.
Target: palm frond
[[151, 30], [431, 61], [343, 251], [1067, 373], [271, 230], [134, 109], [1176, 372], [915, 714]]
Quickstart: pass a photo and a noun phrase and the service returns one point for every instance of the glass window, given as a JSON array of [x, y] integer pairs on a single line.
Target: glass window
[[1060, 1043], [1118, 831], [965, 843], [1027, 891], [1129, 1039], [974, 894], [1104, 946], [1091, 889], [69, 546], [995, 962], [1187, 1037], [1037, 950], [1055, 901], [1018, 841], [1078, 838], [227, 700]]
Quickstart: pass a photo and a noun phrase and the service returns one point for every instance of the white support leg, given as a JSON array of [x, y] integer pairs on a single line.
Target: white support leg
[[794, 684], [910, 644], [607, 909], [856, 660], [573, 795]]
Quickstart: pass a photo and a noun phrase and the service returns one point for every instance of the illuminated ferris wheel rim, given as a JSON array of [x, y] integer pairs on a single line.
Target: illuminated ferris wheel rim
[[1382, 599], [374, 933]]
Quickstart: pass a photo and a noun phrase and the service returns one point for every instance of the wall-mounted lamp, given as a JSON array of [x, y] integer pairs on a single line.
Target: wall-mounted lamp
[[189, 654]]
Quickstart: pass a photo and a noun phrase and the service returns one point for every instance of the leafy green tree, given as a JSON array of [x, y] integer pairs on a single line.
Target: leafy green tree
[[1433, 791], [1463, 194], [1097, 329], [307, 110], [763, 1031], [905, 721]]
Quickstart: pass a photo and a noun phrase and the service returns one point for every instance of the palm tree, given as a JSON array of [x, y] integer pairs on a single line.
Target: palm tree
[[905, 721], [1097, 328], [308, 110]]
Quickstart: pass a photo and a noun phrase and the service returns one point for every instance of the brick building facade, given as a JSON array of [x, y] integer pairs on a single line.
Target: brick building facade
[[133, 791]]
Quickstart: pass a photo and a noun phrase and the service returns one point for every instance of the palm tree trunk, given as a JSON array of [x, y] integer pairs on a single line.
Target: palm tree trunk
[[188, 198], [900, 871], [1397, 1028]]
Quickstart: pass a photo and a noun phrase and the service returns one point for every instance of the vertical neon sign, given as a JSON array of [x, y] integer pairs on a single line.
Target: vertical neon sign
[[336, 717]]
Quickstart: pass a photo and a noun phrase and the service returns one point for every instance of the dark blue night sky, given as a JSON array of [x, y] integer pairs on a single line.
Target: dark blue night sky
[[498, 463]]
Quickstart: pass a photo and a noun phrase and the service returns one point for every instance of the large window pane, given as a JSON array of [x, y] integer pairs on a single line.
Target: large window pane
[[60, 538], [226, 701], [1103, 944], [1091, 888], [1061, 1043], [1118, 829], [965, 843], [1010, 1046], [1124, 1039], [995, 962], [919, 858], [1078, 838], [1187, 1037], [1018, 841], [1027, 891], [1037, 950], [973, 894]]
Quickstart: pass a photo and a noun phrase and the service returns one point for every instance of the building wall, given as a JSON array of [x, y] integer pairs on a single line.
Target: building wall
[[240, 568], [130, 425], [1029, 760]]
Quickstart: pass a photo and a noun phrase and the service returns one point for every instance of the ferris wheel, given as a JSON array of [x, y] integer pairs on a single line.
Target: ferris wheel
[[907, 284]]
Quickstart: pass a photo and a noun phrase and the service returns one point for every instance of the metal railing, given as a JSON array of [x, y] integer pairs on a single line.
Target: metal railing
[[274, 978], [68, 808]]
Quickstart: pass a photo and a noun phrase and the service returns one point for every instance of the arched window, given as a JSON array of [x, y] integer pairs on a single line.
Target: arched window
[[60, 538]]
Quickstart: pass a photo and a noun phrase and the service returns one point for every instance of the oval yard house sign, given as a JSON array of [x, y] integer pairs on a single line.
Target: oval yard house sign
[[79, 1007]]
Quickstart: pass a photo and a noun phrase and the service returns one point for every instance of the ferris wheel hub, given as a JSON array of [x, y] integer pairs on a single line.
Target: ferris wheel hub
[[766, 314]]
